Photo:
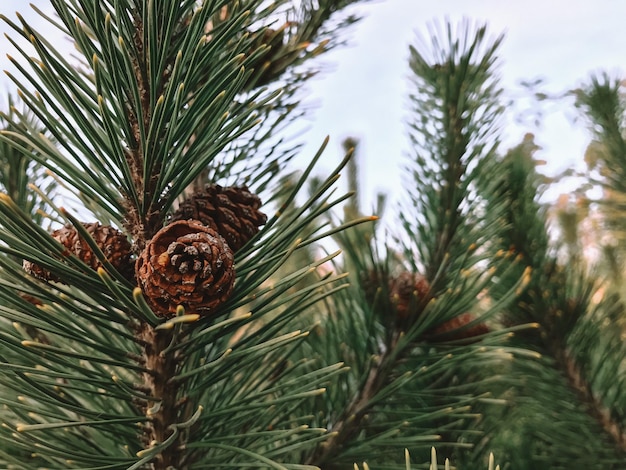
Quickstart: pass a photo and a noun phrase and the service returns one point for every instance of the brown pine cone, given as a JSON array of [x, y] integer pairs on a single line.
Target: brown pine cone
[[231, 211], [453, 332], [113, 244], [186, 263], [407, 291]]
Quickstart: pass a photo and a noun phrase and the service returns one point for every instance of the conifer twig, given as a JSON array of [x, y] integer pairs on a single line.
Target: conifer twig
[[349, 421], [594, 406], [162, 365]]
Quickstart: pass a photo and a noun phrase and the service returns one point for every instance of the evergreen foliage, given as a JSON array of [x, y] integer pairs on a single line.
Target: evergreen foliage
[[465, 328]]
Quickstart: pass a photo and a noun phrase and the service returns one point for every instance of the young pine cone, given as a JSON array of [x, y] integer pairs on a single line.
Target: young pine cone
[[186, 263], [407, 291], [113, 244], [232, 211]]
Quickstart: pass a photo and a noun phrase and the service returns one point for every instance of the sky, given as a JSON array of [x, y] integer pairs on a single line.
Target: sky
[[364, 92]]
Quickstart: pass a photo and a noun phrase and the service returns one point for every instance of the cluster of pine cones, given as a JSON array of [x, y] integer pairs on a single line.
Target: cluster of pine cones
[[189, 262]]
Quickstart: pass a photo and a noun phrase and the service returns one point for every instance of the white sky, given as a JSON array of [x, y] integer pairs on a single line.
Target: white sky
[[364, 94], [561, 41]]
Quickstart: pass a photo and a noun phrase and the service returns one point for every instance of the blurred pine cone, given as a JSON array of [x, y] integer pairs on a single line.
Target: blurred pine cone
[[454, 329], [407, 291], [186, 263], [112, 242], [231, 211]]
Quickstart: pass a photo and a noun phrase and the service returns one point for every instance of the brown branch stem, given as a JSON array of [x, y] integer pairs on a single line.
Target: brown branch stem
[[350, 420], [161, 365], [594, 405]]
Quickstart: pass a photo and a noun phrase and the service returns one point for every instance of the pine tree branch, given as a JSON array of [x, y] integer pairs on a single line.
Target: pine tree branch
[[593, 404], [457, 106], [18, 172], [558, 299], [290, 45]]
